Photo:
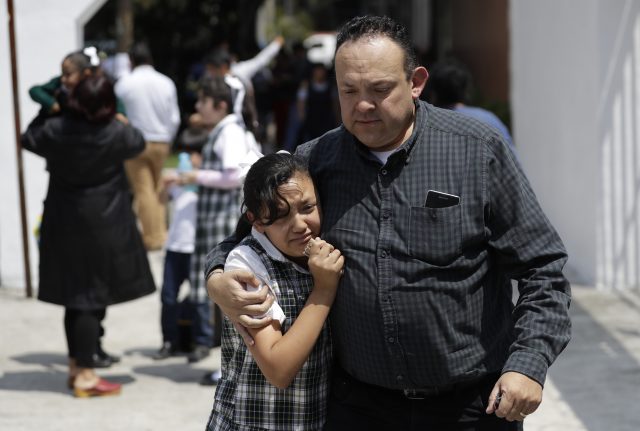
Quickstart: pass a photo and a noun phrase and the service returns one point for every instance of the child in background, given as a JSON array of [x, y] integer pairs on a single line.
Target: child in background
[[179, 247], [219, 183], [53, 95], [281, 381]]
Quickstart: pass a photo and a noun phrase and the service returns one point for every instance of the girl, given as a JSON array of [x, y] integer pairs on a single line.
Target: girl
[[281, 381], [53, 95]]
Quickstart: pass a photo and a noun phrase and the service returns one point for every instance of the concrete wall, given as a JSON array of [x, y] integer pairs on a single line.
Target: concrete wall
[[46, 30], [575, 70]]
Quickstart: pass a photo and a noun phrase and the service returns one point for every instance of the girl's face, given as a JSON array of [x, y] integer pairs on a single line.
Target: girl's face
[[71, 74], [291, 233], [211, 114]]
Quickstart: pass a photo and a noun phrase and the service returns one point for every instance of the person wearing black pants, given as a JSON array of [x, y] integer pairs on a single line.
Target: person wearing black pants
[[82, 328], [456, 407], [91, 252]]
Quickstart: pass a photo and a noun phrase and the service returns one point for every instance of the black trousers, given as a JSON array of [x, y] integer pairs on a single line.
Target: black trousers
[[357, 405], [82, 328]]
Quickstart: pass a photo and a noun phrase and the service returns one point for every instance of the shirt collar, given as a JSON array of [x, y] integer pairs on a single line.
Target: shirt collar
[[273, 252], [407, 146]]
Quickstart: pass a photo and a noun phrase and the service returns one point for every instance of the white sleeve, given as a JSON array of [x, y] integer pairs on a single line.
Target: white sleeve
[[248, 68], [175, 111], [228, 179], [243, 257]]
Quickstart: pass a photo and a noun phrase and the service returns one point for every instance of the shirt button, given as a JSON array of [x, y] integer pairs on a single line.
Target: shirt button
[[383, 254], [391, 339], [383, 172], [399, 378], [385, 216]]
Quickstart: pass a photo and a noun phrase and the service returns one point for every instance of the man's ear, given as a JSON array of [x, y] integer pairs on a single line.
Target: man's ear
[[418, 81]]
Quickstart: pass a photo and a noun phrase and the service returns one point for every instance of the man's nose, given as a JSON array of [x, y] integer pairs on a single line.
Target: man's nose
[[365, 104]]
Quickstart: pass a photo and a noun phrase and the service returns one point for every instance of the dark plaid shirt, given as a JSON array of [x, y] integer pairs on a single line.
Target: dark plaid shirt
[[425, 299], [245, 400]]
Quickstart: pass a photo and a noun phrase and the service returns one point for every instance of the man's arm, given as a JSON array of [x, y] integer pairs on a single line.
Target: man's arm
[[531, 252], [227, 289]]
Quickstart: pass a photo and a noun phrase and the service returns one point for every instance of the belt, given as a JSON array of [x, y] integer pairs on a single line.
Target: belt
[[410, 394], [421, 394]]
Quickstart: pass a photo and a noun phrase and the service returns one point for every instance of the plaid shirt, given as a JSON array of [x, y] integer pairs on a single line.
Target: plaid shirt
[[216, 217], [245, 400], [425, 299]]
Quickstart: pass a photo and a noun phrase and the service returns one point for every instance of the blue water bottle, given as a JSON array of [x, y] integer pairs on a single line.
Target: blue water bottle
[[184, 166]]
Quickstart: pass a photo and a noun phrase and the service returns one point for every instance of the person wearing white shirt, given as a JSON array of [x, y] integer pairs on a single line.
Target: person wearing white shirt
[[151, 101]]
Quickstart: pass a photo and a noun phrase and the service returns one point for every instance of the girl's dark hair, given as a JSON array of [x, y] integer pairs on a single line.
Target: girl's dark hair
[[93, 99], [80, 60], [374, 26], [261, 196]]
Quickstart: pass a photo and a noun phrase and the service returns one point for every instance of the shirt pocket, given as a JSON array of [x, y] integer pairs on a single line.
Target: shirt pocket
[[435, 234]]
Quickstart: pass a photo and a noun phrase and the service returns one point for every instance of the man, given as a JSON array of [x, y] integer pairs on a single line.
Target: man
[[434, 217], [150, 99], [449, 87]]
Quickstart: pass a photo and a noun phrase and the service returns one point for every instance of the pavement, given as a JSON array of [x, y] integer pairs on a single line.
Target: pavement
[[594, 385]]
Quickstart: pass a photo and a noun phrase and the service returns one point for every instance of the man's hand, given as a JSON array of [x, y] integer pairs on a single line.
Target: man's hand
[[520, 396], [227, 290]]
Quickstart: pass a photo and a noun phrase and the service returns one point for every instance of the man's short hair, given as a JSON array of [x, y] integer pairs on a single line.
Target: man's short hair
[[140, 54], [449, 83], [373, 26], [218, 58]]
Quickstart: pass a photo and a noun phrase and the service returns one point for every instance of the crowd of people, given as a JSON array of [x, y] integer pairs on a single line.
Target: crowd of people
[[364, 281]]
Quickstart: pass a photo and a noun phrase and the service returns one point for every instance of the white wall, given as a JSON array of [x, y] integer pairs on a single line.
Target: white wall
[[576, 113], [46, 30]]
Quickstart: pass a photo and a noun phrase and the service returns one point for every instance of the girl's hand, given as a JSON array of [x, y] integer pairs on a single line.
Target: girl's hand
[[325, 263], [190, 177]]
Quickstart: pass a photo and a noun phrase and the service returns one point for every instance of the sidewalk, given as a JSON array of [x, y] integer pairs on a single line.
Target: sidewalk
[[594, 385]]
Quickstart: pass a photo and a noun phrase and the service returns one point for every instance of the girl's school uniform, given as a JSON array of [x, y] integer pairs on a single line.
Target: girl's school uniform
[[245, 400]]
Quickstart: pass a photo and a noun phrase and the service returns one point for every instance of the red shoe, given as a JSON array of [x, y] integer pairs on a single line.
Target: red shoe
[[101, 389]]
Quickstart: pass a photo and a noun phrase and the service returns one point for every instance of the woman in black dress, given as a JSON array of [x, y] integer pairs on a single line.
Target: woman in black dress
[[91, 253]]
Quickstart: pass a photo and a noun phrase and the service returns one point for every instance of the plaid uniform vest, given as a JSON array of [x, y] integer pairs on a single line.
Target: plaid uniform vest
[[244, 397]]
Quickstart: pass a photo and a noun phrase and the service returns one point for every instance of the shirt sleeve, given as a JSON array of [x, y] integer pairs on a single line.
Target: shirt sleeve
[[245, 258], [248, 68], [44, 94], [228, 179], [531, 252]]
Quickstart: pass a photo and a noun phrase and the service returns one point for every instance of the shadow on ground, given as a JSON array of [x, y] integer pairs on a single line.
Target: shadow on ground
[[598, 377]]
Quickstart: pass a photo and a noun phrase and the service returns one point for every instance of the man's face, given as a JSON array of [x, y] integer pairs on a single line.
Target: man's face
[[211, 114], [376, 99]]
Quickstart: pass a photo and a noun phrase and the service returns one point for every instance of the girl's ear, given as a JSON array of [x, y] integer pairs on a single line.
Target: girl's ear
[[254, 222]]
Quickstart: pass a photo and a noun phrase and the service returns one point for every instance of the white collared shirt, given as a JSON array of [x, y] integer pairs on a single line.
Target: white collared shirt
[[243, 257], [150, 99]]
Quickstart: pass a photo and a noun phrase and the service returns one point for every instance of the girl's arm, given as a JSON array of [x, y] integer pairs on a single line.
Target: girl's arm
[[279, 356], [44, 94], [226, 179]]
